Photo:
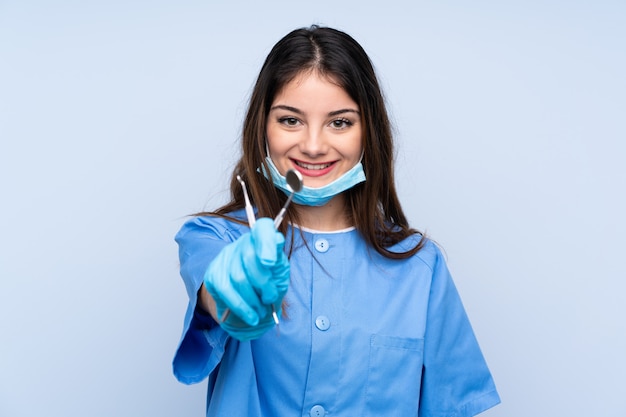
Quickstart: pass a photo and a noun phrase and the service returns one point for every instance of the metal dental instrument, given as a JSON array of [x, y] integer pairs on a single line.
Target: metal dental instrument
[[249, 210], [294, 182], [251, 221]]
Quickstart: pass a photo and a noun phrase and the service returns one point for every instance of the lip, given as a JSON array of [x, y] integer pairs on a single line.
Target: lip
[[313, 172]]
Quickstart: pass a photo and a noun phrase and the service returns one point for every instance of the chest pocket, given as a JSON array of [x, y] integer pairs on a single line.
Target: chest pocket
[[394, 378]]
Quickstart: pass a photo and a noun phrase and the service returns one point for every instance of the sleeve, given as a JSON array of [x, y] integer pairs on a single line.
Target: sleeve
[[456, 380], [203, 341]]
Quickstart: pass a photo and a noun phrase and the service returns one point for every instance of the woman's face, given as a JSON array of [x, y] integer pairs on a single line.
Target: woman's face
[[314, 127]]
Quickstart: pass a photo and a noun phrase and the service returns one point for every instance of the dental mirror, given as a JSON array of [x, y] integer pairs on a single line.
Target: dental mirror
[[294, 182]]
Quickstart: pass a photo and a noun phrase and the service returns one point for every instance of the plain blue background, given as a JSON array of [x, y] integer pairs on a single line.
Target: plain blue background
[[118, 118]]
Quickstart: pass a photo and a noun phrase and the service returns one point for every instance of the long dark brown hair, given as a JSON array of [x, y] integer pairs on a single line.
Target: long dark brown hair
[[373, 206]]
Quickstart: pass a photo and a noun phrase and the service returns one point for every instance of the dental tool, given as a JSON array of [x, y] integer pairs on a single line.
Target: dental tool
[[294, 181]]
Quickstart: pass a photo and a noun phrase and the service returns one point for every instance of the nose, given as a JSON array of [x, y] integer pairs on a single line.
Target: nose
[[313, 143]]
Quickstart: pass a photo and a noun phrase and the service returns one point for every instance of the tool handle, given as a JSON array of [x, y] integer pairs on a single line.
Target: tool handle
[[281, 214]]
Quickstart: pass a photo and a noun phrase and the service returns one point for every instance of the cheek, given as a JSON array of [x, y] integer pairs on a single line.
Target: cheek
[[278, 142], [271, 147], [271, 140], [275, 149], [354, 147]]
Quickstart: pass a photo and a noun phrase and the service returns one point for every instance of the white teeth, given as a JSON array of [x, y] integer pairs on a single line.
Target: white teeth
[[313, 166]]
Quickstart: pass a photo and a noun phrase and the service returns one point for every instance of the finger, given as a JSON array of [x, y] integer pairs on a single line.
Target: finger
[[265, 239], [237, 305], [243, 285], [281, 273], [224, 272], [277, 284], [260, 276], [258, 273], [269, 293], [241, 331]]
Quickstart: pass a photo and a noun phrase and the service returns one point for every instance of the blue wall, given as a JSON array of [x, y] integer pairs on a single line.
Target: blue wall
[[117, 119]]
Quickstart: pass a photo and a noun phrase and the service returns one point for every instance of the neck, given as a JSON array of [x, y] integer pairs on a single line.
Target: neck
[[329, 217]]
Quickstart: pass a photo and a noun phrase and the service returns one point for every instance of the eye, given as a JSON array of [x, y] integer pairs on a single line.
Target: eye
[[288, 121], [340, 123]]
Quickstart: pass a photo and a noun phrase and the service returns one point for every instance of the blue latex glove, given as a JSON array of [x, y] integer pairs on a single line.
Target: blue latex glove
[[248, 277]]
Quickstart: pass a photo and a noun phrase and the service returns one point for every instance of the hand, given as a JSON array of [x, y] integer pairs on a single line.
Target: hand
[[250, 278]]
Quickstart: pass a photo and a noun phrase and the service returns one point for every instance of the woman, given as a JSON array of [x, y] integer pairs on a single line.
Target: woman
[[370, 321]]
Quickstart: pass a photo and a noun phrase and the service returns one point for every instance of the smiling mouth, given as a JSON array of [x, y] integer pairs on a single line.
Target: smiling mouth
[[313, 167]]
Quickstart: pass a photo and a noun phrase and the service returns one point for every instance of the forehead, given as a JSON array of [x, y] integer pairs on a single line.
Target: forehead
[[311, 85]]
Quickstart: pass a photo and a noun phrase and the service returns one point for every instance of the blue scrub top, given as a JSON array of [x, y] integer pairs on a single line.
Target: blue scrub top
[[363, 335]]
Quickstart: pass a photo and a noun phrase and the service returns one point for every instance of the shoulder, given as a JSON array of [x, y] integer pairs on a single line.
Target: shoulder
[[213, 226], [429, 254]]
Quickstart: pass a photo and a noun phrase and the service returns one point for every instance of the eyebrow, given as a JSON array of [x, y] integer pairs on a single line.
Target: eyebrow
[[298, 111]]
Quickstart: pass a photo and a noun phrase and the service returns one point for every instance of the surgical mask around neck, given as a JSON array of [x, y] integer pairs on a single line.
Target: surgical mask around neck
[[309, 196]]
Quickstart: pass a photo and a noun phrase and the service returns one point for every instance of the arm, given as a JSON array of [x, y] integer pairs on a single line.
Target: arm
[[456, 379], [225, 270], [203, 342], [206, 303]]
